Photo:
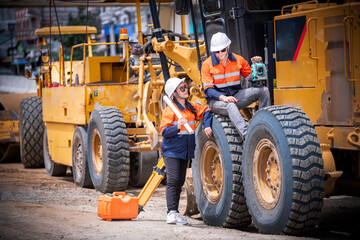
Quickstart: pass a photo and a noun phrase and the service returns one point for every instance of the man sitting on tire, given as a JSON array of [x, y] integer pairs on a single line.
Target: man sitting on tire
[[221, 79]]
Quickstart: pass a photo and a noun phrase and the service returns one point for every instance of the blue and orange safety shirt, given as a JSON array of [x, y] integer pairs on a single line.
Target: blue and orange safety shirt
[[178, 143], [223, 80]]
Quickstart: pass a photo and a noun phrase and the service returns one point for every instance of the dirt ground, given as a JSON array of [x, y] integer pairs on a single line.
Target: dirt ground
[[34, 205]]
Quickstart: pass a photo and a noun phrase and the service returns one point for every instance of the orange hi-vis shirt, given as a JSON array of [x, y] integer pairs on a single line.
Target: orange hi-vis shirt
[[179, 143], [223, 80]]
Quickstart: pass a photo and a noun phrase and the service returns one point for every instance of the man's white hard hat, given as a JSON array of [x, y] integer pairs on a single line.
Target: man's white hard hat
[[219, 41], [171, 85]]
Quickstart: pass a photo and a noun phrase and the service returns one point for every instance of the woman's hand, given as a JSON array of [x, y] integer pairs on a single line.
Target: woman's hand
[[208, 132], [181, 122]]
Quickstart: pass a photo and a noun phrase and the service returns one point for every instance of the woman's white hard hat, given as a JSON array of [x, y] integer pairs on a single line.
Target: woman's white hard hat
[[171, 85], [219, 41]]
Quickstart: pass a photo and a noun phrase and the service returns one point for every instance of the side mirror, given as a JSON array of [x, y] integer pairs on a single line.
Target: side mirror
[[44, 54], [182, 7], [28, 72]]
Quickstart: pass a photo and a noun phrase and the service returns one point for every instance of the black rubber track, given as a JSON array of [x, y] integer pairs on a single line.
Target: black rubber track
[[237, 215], [306, 170], [116, 156], [31, 132]]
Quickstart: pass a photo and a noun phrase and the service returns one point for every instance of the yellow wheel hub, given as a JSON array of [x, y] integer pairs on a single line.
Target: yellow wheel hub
[[97, 152], [211, 172], [267, 174]]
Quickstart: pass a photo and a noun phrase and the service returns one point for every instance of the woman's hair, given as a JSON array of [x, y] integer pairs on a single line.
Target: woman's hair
[[193, 110]]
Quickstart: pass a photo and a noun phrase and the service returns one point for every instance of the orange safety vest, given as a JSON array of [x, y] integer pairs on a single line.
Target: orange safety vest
[[180, 143], [224, 79]]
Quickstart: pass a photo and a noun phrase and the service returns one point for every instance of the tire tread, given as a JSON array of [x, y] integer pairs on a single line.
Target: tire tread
[[238, 216], [118, 154], [31, 132], [307, 165]]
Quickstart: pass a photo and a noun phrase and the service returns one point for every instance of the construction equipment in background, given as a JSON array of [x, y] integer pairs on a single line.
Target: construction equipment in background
[[13, 90], [89, 109], [92, 116]]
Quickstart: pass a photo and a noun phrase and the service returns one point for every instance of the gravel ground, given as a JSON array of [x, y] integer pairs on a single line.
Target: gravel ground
[[36, 206]]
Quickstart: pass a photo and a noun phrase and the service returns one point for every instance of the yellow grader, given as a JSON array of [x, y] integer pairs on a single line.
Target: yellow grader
[[86, 117], [92, 116], [306, 146], [297, 152]]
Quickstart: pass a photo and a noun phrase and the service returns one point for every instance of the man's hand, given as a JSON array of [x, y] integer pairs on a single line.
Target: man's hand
[[228, 99], [181, 122], [208, 132], [256, 59]]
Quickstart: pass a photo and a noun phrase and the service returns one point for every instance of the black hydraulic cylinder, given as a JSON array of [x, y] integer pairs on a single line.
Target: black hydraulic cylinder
[[159, 37], [195, 33]]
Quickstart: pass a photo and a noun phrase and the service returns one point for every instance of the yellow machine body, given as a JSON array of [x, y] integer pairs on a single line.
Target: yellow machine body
[[323, 77], [102, 81], [315, 81]]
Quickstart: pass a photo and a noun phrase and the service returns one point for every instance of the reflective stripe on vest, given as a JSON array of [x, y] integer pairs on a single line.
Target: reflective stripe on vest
[[222, 76], [185, 133], [189, 122]]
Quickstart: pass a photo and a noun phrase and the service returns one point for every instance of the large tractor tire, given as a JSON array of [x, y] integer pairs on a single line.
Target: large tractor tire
[[108, 150], [80, 168], [31, 132], [141, 166], [52, 169], [283, 171], [217, 175]]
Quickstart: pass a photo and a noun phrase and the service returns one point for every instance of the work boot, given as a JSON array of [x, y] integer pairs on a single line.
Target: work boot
[[180, 220], [171, 217]]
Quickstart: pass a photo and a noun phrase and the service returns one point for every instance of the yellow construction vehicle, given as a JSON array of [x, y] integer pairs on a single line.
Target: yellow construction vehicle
[[303, 148], [10, 98], [89, 114], [297, 152]]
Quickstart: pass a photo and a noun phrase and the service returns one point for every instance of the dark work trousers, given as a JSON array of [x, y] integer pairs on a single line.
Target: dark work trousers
[[175, 179]]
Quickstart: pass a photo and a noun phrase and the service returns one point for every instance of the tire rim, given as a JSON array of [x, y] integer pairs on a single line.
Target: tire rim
[[97, 152], [79, 156], [267, 174], [211, 172]]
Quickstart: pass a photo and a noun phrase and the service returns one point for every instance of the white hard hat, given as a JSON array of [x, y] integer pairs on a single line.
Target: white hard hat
[[219, 41], [171, 85]]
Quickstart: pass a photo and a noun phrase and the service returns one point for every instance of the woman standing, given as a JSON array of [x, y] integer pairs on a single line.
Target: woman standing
[[178, 144]]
